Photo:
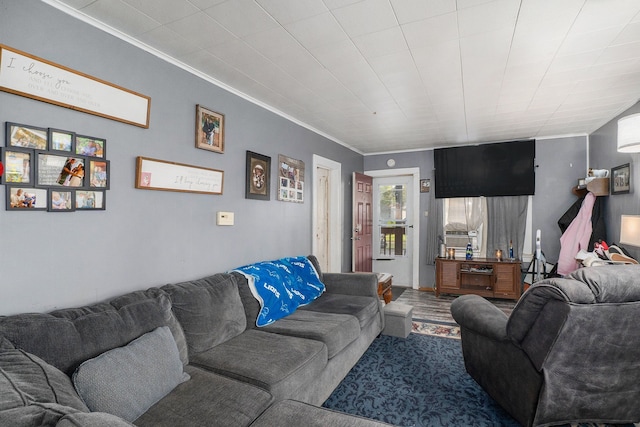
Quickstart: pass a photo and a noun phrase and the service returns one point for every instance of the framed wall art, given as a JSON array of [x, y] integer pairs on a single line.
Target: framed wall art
[[90, 200], [425, 185], [61, 140], [90, 146], [153, 174], [26, 198], [99, 174], [258, 176], [209, 130], [61, 200], [26, 136], [621, 179], [55, 170], [18, 166], [290, 179]]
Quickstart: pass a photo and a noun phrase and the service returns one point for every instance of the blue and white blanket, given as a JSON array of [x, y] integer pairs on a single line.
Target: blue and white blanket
[[281, 286]]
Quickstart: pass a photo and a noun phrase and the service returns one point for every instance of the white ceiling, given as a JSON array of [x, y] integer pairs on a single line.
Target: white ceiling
[[394, 75]]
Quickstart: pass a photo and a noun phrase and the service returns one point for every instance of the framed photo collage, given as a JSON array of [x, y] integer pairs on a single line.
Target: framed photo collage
[[53, 170]]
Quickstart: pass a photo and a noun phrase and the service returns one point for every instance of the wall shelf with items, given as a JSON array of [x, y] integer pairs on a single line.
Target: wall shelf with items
[[597, 186]]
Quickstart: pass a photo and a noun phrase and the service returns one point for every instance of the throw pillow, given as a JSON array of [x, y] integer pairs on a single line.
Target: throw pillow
[[127, 381]]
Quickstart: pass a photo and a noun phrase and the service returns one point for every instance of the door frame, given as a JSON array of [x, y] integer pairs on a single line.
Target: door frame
[[335, 211], [415, 173]]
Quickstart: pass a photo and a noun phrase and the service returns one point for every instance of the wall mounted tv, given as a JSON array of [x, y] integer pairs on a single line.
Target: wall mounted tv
[[500, 169]]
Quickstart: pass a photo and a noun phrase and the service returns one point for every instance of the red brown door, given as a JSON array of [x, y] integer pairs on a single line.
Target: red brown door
[[362, 226]]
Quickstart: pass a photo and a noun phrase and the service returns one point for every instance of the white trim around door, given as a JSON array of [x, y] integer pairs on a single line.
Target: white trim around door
[[334, 231], [415, 173]]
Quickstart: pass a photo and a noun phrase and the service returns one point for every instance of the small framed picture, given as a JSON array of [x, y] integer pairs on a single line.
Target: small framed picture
[[90, 146], [26, 198], [621, 179], [62, 140], [425, 185], [90, 200], [209, 130], [99, 174], [258, 178], [56, 170], [18, 166], [61, 200], [25, 136]]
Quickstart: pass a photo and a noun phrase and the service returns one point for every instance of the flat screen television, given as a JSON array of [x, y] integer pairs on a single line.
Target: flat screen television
[[499, 169]]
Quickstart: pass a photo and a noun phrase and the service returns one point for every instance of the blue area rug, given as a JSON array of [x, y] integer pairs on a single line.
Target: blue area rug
[[419, 381]]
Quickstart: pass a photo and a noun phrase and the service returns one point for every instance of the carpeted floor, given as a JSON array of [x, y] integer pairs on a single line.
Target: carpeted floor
[[420, 382]]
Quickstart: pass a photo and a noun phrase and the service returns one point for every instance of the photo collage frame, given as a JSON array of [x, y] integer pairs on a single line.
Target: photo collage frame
[[53, 169]]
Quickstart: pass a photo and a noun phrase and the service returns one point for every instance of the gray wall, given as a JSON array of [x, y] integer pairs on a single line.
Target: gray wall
[[561, 162], [147, 238], [603, 154]]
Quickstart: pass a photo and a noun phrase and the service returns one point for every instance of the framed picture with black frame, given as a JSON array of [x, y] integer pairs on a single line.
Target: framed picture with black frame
[[621, 179], [62, 140], [91, 146], [258, 176], [26, 136], [23, 198], [90, 200], [56, 170], [61, 200], [98, 174], [18, 165]]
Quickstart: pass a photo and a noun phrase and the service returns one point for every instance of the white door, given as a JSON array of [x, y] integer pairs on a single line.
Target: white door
[[393, 232], [326, 218]]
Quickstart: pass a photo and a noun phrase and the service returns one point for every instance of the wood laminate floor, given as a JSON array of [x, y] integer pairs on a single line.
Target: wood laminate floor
[[427, 306]]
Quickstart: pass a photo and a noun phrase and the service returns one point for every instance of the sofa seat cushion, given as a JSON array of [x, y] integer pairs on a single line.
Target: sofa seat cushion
[[209, 310], [207, 399], [291, 412], [335, 330], [126, 381], [277, 363], [362, 307]]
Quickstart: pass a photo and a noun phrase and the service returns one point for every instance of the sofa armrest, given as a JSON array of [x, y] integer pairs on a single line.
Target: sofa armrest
[[364, 284], [479, 315]]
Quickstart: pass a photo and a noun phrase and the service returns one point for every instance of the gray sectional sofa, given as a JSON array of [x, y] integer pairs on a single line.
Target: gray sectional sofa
[[187, 354]]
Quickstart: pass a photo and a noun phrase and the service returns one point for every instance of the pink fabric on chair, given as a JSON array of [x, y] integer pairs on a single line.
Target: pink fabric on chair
[[576, 237]]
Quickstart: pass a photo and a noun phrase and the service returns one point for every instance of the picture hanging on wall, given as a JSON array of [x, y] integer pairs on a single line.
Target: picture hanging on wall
[[621, 179], [24, 136], [90, 200], [209, 129], [258, 179], [90, 146], [290, 179], [18, 167], [60, 171], [99, 174], [61, 140], [26, 199], [61, 200], [425, 185]]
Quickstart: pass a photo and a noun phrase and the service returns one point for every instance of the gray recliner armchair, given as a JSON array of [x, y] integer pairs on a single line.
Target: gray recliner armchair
[[569, 352]]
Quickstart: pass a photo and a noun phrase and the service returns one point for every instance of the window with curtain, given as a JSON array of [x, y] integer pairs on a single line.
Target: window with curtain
[[467, 214]]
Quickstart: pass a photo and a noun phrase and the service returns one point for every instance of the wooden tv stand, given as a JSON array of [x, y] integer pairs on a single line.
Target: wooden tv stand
[[486, 277]]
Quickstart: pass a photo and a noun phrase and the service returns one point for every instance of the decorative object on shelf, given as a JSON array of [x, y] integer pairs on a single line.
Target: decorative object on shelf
[[153, 174], [629, 134], [290, 179], [621, 179], [425, 185], [209, 129], [498, 254], [451, 252], [258, 176], [42, 80], [469, 251]]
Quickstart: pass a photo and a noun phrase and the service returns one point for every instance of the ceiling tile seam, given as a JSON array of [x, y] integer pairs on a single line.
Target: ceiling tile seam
[[464, 98]]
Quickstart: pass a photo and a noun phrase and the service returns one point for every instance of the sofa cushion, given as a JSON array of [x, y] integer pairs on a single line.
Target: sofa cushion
[[277, 363], [207, 399], [93, 419], [362, 307], [209, 310], [26, 379], [335, 330], [127, 381], [66, 338]]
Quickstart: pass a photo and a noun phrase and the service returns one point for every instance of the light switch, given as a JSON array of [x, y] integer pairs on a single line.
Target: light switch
[[224, 218]]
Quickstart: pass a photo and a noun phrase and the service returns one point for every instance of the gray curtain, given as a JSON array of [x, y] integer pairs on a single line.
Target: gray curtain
[[435, 231], [507, 218]]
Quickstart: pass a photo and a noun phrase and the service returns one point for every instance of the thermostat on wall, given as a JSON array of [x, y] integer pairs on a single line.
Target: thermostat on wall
[[224, 218]]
